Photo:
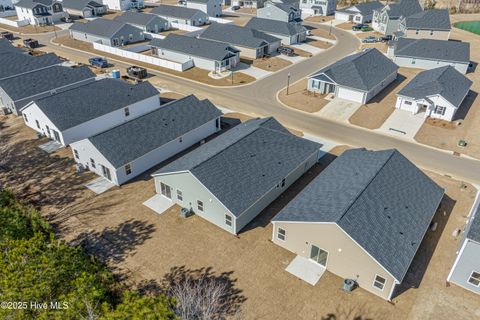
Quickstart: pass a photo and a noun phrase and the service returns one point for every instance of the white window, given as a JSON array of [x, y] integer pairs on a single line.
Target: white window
[[92, 162], [379, 282], [200, 205], [75, 153], [228, 220], [440, 110], [179, 195], [474, 279], [281, 234], [38, 124], [413, 61], [128, 169], [126, 111]]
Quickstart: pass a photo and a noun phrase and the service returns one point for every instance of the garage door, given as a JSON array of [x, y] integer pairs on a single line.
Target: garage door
[[349, 94], [342, 16]]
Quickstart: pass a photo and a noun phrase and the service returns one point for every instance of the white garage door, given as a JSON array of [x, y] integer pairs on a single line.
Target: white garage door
[[342, 16], [349, 94]]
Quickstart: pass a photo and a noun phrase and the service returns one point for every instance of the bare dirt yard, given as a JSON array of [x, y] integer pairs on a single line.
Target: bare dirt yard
[[145, 249], [237, 19], [319, 44], [252, 11], [299, 98], [373, 114], [269, 64], [345, 26], [319, 19], [323, 33], [299, 52], [29, 29], [382, 46]]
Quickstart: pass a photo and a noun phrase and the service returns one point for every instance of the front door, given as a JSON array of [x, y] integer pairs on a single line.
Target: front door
[[106, 172], [318, 255]]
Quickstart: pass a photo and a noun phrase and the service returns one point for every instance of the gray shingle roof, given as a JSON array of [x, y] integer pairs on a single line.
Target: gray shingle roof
[[139, 18], [240, 166], [363, 70], [33, 3], [104, 27], [433, 49], [276, 26], [80, 4], [435, 19], [75, 106], [379, 198], [473, 231], [403, 8], [7, 47], [176, 11], [286, 7], [17, 63], [445, 81], [204, 48], [137, 137], [364, 8], [236, 35]]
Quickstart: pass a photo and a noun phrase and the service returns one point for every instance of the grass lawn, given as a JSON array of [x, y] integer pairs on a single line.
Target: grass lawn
[[471, 26]]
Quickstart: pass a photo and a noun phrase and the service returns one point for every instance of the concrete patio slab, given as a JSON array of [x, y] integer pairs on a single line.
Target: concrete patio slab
[[252, 71], [99, 185], [306, 270], [339, 110], [158, 203], [403, 124], [50, 146]]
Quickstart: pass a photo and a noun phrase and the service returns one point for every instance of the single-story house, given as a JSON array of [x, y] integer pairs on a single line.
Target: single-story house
[[430, 53], [286, 12], [40, 12], [231, 179], [87, 110], [363, 218], [14, 64], [318, 7], [7, 47], [428, 24], [125, 151], [252, 43], [438, 92], [181, 15], [107, 32], [18, 91], [358, 77], [206, 54], [358, 13], [466, 268], [212, 8], [287, 32], [387, 18], [147, 22], [123, 5], [84, 8]]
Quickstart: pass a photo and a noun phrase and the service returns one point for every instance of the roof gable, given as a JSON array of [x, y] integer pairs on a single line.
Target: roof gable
[[177, 12], [104, 27], [276, 26], [19, 63], [434, 19], [138, 18], [433, 49], [236, 35]]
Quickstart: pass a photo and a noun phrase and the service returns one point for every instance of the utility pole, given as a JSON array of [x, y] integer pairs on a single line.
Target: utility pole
[[232, 76], [330, 30], [288, 82]]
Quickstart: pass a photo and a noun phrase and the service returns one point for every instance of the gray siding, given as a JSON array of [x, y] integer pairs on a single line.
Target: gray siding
[[428, 64], [376, 90], [90, 38], [468, 261]]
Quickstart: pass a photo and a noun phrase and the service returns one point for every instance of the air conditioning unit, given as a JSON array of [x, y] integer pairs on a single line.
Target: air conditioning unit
[[79, 168], [185, 213]]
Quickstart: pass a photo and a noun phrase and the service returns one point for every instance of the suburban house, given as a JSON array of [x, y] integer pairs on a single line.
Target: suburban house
[[438, 92], [123, 5], [40, 12], [14, 64], [7, 47], [6, 5], [286, 12], [430, 54], [466, 268], [252, 43], [287, 32], [181, 15], [145, 21], [358, 77], [84, 111], [318, 7], [428, 24], [248, 3], [84, 8], [206, 54], [212, 8], [359, 13], [18, 91], [386, 19], [108, 32], [231, 179], [363, 218], [131, 148]]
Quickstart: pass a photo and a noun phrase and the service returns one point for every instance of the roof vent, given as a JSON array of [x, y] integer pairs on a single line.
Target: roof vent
[[401, 233]]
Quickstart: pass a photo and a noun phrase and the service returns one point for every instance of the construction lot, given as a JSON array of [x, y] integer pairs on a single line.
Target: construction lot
[[144, 247]]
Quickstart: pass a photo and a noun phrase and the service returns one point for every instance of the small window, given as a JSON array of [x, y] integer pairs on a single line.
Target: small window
[[281, 234], [413, 61], [25, 117], [180, 139], [474, 279], [379, 282], [283, 183], [126, 111], [408, 103], [431, 32], [38, 124], [75, 153], [440, 110], [228, 220], [179, 195], [92, 163], [128, 169], [417, 31], [200, 205]]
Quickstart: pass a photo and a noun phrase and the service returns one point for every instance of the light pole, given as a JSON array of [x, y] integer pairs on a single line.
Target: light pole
[[232, 76], [330, 31], [288, 82]]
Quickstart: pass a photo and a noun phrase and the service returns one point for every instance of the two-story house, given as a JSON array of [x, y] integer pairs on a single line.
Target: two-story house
[[40, 12], [318, 7], [386, 19], [286, 12], [123, 5], [428, 24], [212, 8]]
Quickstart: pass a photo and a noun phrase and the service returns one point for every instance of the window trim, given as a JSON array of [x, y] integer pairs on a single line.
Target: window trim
[[284, 234], [202, 206], [92, 163], [227, 221], [375, 281], [471, 276], [179, 195], [75, 154], [128, 169]]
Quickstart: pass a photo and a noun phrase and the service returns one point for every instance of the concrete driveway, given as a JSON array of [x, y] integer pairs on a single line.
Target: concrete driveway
[[252, 71], [403, 124], [306, 47], [339, 110]]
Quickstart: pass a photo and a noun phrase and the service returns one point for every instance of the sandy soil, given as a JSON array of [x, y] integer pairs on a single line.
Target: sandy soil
[[300, 52], [112, 14], [373, 114], [238, 20], [252, 11], [29, 29], [299, 98], [174, 31], [319, 44], [319, 19], [269, 64], [345, 26], [322, 33]]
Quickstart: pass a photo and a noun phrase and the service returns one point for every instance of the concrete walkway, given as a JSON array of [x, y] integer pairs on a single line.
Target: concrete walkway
[[99, 185], [306, 270], [50, 146], [252, 71], [403, 124], [339, 110], [158, 203]]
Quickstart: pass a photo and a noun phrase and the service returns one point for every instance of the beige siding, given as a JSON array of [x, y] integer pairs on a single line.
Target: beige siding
[[345, 258], [425, 34]]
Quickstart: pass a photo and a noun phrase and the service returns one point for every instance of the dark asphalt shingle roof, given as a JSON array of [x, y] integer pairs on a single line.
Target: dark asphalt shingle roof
[[203, 48], [139, 18], [36, 82], [473, 231], [7, 47], [240, 166], [18, 63], [104, 27], [433, 49], [80, 4], [403, 8], [33, 3], [276, 26], [445, 81], [363, 70], [135, 138], [236, 35], [379, 198], [364, 8], [176, 11], [434, 19], [75, 106]]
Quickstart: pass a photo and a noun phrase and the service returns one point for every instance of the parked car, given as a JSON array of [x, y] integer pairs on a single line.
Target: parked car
[[386, 38], [7, 35], [235, 8], [137, 72], [370, 39], [98, 62], [66, 20], [359, 26], [30, 43], [286, 51]]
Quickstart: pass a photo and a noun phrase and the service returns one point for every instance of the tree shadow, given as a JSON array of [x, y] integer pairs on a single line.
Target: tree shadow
[[387, 90], [353, 313], [425, 252], [467, 103]]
